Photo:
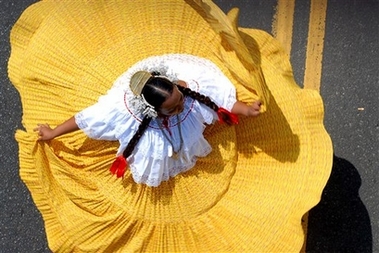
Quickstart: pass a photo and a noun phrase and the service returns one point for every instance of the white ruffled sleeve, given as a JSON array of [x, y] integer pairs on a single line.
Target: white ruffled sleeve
[[101, 120]]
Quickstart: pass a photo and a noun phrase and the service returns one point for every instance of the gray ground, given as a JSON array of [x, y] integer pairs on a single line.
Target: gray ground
[[346, 220]]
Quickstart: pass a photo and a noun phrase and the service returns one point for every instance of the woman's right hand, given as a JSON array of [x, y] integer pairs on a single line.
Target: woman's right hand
[[45, 132]]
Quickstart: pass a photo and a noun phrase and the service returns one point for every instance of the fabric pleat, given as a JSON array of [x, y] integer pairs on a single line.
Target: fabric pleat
[[248, 195]]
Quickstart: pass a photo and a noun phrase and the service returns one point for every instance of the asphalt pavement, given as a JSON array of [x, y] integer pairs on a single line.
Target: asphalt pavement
[[347, 218]]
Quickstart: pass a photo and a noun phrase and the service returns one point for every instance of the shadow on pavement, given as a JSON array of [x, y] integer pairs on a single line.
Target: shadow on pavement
[[340, 222]]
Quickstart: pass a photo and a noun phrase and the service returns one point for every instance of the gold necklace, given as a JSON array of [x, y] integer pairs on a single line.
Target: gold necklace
[[175, 154]]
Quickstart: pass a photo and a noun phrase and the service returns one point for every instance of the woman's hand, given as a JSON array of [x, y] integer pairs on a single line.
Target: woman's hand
[[254, 109], [45, 132], [247, 110]]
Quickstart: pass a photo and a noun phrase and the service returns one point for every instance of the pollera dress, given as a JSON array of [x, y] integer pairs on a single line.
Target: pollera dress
[[114, 117], [248, 194]]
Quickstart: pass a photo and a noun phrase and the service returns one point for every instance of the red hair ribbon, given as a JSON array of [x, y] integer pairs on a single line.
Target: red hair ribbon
[[119, 166], [224, 116]]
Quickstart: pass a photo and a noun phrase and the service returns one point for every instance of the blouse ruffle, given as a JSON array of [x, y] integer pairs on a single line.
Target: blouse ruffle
[[114, 118]]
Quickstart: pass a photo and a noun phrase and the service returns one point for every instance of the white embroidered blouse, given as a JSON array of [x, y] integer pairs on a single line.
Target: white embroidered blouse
[[114, 118]]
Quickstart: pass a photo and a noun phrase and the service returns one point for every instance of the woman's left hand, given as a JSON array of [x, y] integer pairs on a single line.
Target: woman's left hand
[[254, 109]]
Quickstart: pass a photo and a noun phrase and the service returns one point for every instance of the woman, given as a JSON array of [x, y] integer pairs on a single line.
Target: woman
[[173, 113]]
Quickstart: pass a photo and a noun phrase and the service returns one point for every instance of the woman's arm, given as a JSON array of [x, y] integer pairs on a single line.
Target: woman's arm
[[246, 110], [46, 133]]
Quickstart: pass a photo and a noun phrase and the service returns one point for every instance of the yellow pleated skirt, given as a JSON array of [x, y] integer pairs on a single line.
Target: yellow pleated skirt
[[248, 195]]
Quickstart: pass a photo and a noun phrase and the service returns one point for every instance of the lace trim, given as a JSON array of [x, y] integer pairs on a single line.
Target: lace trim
[[167, 174], [80, 121]]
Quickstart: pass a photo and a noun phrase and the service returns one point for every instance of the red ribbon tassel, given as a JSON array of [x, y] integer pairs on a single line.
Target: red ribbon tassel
[[224, 116], [119, 166]]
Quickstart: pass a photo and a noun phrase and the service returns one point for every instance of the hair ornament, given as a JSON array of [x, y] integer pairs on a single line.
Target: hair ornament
[[139, 103], [149, 110], [138, 81]]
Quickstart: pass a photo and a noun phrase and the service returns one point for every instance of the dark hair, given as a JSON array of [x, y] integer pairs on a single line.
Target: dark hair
[[156, 91]]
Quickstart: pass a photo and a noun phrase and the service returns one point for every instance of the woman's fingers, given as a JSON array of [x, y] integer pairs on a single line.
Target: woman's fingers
[[255, 109], [257, 105], [42, 130], [37, 128]]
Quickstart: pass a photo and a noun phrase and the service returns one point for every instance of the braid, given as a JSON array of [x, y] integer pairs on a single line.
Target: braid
[[223, 116], [133, 142], [199, 97]]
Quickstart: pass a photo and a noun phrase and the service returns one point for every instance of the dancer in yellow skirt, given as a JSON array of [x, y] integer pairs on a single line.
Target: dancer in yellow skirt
[[247, 195], [157, 117]]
